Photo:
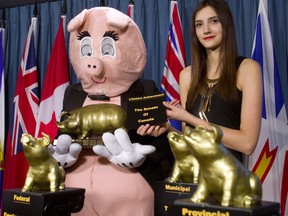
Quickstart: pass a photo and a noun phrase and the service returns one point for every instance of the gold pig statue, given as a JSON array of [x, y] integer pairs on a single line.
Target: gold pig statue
[[93, 120], [44, 173], [186, 167], [222, 176]]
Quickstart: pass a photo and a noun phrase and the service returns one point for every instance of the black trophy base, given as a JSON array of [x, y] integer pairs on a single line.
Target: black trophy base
[[184, 207], [59, 203], [166, 193]]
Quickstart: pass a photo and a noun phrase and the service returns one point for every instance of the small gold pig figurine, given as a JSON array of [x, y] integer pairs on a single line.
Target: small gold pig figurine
[[93, 120], [221, 174], [186, 167], [44, 173]]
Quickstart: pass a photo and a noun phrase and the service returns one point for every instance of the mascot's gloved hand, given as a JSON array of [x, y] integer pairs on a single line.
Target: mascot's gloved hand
[[65, 152], [119, 150]]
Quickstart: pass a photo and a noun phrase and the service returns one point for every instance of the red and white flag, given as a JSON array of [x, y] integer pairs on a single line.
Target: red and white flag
[[270, 158], [56, 81], [25, 104], [175, 60], [130, 12]]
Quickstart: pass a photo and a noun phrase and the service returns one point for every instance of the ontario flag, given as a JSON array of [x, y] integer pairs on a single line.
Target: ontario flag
[[56, 81], [25, 106], [175, 60], [270, 158]]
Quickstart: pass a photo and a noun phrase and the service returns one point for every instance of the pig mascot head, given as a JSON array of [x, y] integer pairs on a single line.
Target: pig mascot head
[[109, 59]]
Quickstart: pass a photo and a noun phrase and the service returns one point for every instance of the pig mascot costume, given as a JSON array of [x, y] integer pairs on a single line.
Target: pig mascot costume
[[108, 55]]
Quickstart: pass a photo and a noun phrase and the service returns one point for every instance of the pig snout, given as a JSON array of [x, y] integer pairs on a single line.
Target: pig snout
[[68, 124], [60, 124], [25, 138], [94, 68]]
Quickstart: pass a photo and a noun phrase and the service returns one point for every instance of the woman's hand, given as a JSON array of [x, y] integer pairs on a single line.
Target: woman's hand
[[152, 130], [175, 111]]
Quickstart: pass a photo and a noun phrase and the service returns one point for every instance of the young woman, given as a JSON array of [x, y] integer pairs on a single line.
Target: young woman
[[220, 87]]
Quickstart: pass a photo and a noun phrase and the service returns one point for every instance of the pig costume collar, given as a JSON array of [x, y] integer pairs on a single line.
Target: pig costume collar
[[106, 60]]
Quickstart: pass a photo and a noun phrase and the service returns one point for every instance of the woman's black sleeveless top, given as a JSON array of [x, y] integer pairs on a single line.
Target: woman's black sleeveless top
[[222, 112]]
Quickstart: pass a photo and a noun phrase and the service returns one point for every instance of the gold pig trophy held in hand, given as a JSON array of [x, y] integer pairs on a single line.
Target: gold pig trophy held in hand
[[44, 173], [222, 175], [93, 120]]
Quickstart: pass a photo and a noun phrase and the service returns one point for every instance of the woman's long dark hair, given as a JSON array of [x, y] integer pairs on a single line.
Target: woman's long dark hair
[[228, 54]]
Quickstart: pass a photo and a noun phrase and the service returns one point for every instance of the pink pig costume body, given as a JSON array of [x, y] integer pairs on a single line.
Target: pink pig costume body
[[108, 55]]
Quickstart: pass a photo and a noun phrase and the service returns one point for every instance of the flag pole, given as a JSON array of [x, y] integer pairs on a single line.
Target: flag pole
[[2, 108], [34, 22], [2, 26], [102, 2], [63, 15]]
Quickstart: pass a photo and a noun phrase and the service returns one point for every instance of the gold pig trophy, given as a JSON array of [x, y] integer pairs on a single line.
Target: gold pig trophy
[[222, 176], [92, 120], [44, 173], [186, 167]]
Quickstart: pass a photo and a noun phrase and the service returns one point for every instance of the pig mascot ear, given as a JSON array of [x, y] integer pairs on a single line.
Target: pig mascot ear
[[106, 50], [77, 21]]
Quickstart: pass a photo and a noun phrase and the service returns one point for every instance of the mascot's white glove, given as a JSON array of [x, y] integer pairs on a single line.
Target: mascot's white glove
[[119, 150], [65, 152]]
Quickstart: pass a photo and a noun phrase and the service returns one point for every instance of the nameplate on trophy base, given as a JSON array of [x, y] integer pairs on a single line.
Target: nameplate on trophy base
[[62, 202], [166, 193], [184, 207]]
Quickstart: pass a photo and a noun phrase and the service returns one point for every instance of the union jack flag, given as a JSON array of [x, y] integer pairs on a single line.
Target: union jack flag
[[175, 60], [270, 158], [25, 104]]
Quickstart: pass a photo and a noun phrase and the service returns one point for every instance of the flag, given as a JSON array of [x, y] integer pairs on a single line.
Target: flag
[[131, 10], [25, 106], [175, 60], [270, 158], [2, 112], [56, 81]]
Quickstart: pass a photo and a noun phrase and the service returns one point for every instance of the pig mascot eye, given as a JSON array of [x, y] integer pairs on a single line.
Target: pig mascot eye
[[108, 47], [86, 47]]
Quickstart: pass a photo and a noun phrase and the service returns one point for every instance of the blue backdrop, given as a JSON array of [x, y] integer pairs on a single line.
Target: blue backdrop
[[152, 16]]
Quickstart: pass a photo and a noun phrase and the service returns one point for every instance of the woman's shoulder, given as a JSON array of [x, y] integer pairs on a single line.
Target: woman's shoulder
[[249, 71], [244, 61], [186, 72], [249, 65], [184, 80], [249, 61], [186, 69]]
